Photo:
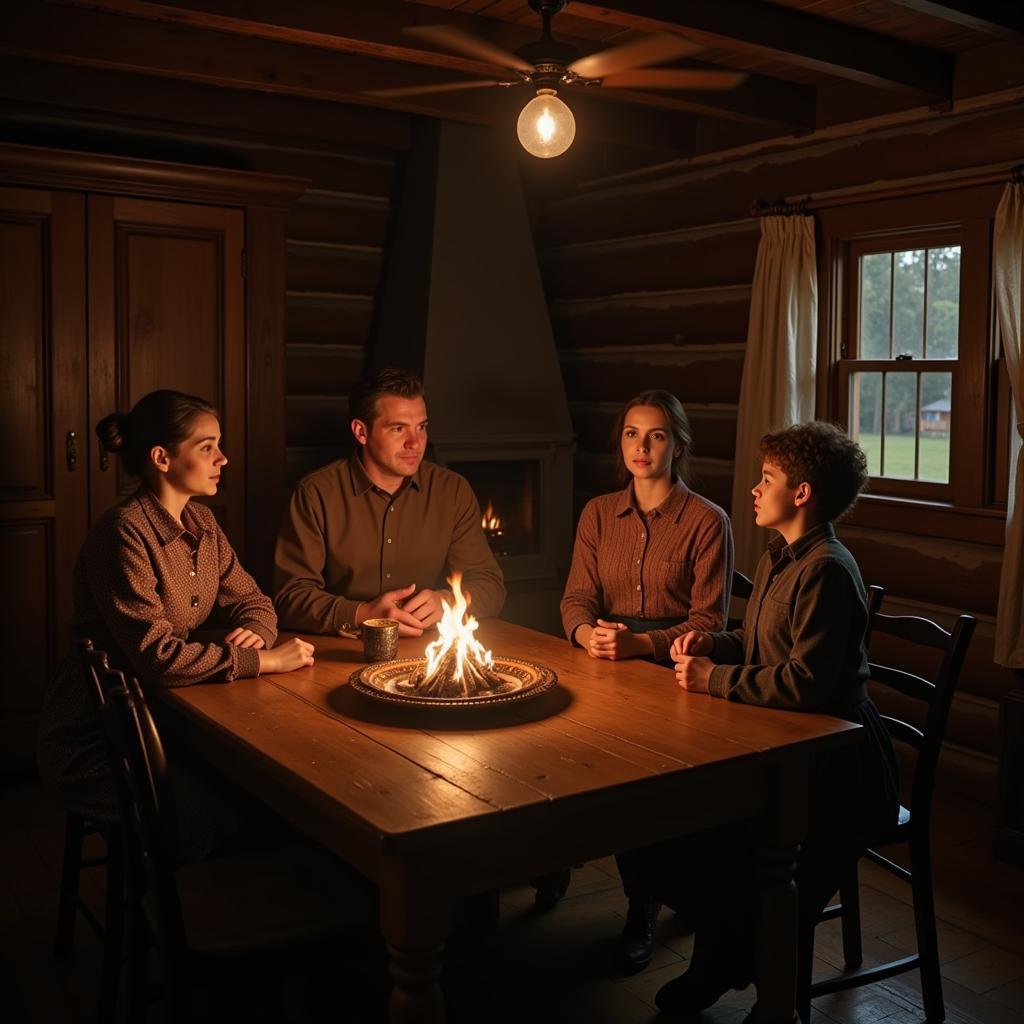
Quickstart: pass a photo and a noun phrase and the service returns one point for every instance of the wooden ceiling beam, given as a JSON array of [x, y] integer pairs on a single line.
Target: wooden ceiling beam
[[375, 30], [42, 91], [759, 100], [360, 29], [97, 39], [782, 33], [1001, 18]]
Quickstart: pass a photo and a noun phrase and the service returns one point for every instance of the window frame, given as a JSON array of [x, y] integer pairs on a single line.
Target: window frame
[[967, 507]]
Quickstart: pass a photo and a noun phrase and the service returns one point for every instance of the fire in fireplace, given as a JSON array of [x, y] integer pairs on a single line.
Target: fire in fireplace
[[508, 491]]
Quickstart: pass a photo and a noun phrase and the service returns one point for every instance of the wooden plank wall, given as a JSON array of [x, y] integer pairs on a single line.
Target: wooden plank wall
[[648, 282], [335, 252]]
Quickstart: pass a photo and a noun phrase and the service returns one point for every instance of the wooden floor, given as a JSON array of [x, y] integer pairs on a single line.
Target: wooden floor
[[556, 966]]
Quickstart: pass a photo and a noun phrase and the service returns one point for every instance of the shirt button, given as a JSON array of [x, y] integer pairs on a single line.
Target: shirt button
[[387, 575], [389, 540], [639, 560], [638, 586], [191, 572], [195, 601], [391, 508]]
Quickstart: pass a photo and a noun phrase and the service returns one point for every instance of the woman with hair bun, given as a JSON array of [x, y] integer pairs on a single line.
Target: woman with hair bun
[[150, 573]]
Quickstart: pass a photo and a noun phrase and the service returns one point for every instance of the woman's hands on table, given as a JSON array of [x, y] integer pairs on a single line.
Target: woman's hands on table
[[292, 654], [613, 641]]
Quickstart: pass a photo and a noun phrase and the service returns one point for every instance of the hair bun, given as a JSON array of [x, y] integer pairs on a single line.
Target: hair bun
[[112, 431]]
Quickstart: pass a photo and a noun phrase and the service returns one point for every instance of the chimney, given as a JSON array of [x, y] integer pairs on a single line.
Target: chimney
[[463, 304]]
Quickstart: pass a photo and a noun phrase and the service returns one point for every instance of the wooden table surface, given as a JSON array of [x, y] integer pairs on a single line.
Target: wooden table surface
[[432, 804]]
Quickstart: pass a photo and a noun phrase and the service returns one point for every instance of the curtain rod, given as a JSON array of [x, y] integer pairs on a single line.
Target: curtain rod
[[783, 207]]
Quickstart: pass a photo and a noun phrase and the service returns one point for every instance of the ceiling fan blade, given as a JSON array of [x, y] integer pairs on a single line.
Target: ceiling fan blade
[[449, 37], [650, 50], [672, 78], [423, 90]]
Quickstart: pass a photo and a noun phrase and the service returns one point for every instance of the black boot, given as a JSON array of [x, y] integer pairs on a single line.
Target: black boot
[[636, 944], [699, 988]]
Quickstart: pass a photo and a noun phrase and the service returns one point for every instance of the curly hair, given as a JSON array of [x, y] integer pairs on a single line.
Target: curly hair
[[362, 399], [678, 425], [823, 455]]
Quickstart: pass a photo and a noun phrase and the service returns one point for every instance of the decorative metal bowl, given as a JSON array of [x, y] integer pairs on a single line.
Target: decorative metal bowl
[[385, 682]]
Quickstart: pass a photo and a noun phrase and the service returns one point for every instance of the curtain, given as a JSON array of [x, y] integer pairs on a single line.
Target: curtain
[[1008, 263], [778, 387]]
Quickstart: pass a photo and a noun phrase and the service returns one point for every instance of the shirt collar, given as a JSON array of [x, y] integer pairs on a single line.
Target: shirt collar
[[779, 549], [361, 482], [165, 526], [671, 507]]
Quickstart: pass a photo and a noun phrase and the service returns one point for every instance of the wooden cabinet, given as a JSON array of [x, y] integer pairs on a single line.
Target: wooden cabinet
[[167, 310], [43, 475], [106, 295]]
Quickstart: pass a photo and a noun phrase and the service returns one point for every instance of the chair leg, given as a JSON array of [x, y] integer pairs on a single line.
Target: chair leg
[[138, 964], [927, 940], [74, 827], [113, 927], [849, 897], [804, 972]]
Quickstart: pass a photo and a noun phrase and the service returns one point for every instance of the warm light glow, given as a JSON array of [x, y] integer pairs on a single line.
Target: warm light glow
[[489, 521], [455, 636], [546, 126]]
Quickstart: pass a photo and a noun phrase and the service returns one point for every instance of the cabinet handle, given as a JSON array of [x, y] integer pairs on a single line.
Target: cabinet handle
[[104, 456], [71, 450]]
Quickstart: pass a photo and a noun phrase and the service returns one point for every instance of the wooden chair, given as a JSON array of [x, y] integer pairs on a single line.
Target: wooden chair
[[913, 826], [742, 588], [77, 828], [199, 916]]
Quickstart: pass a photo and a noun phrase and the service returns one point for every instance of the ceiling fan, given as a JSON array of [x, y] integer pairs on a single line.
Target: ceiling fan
[[546, 126]]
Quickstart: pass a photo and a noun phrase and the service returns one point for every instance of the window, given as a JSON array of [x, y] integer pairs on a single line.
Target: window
[[913, 372], [902, 353]]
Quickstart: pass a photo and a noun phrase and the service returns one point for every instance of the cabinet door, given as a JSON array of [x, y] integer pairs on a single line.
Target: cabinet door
[[43, 434], [166, 310]]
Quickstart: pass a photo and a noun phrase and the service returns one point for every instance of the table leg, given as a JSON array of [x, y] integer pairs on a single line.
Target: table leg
[[415, 920], [776, 937]]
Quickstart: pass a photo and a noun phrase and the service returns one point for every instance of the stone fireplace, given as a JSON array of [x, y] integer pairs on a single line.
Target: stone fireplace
[[463, 304]]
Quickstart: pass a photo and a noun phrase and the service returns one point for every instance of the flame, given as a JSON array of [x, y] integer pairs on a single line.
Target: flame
[[489, 521], [455, 631]]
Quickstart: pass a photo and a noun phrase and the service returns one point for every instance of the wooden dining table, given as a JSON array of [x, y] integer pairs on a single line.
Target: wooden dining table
[[436, 803]]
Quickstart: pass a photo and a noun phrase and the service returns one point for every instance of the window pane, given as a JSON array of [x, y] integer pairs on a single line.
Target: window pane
[[866, 417], [908, 303], [936, 412], [943, 302], [875, 273], [899, 435]]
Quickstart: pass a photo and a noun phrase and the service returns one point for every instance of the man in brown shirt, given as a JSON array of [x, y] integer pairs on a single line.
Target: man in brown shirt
[[375, 535]]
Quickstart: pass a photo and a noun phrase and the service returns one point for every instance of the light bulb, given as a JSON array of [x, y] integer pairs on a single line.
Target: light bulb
[[546, 126]]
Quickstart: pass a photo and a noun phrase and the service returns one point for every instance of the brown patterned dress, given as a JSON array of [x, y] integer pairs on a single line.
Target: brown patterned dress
[[143, 584]]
